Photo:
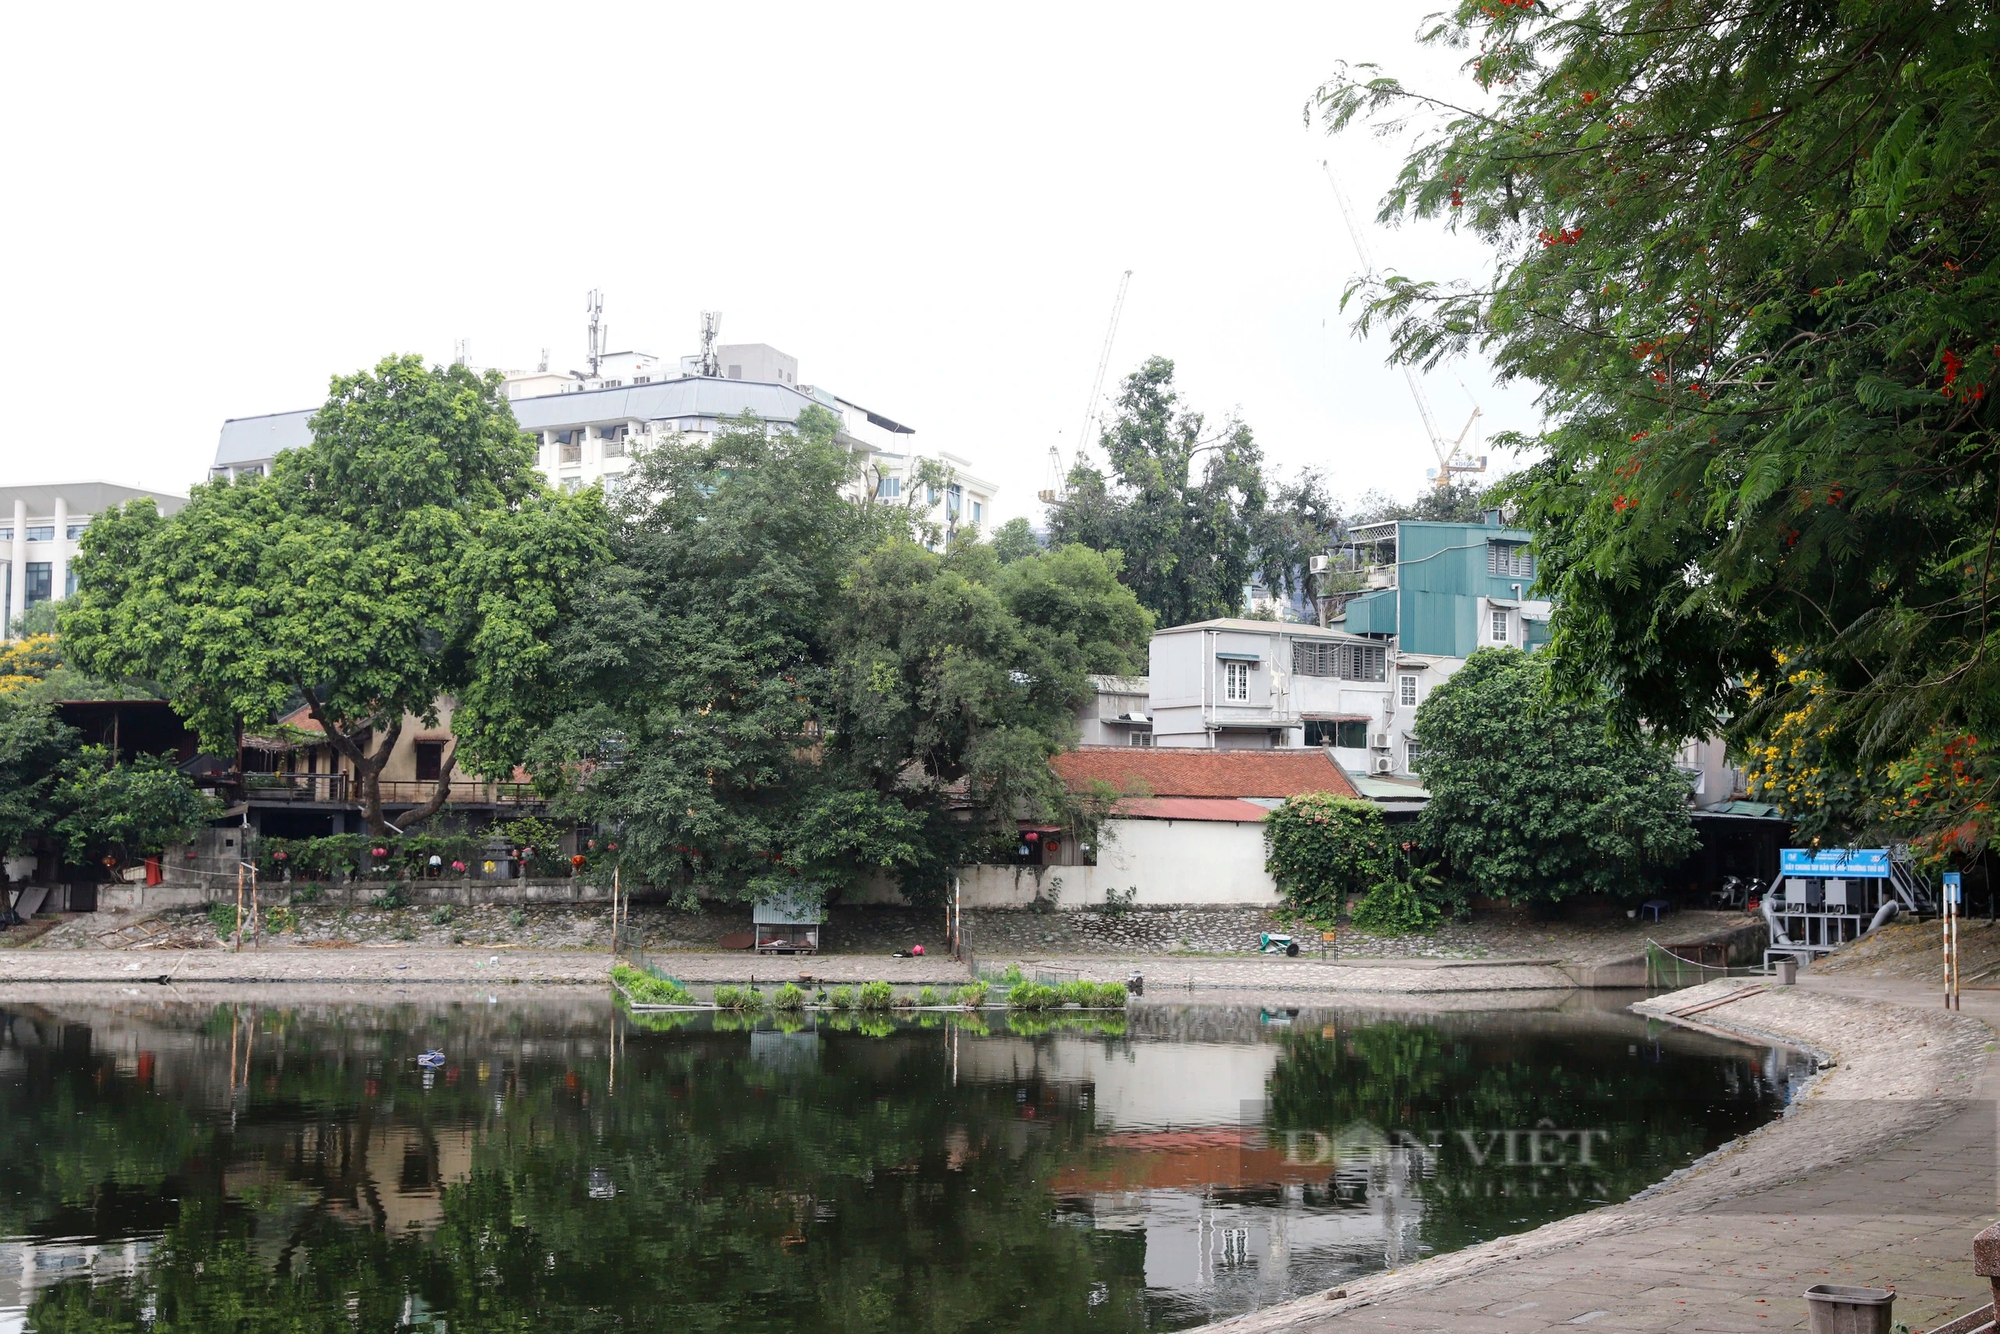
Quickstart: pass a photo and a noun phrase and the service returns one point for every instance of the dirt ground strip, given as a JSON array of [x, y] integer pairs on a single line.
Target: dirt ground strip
[[1879, 1175]]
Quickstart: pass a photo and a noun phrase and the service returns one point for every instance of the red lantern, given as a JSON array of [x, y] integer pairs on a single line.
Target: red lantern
[[576, 860]]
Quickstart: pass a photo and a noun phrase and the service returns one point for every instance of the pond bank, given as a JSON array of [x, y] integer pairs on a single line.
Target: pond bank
[[1879, 1175]]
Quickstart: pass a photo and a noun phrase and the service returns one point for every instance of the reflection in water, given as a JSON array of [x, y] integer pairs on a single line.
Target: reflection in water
[[175, 1167]]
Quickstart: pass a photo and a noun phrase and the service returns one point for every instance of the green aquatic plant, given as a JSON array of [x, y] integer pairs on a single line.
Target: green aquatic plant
[[972, 995], [842, 998], [645, 989], [738, 998], [789, 997], [877, 996]]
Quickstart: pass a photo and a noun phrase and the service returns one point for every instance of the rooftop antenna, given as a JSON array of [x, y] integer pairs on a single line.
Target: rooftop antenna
[[711, 328], [461, 351], [597, 330], [543, 364], [1061, 475], [1448, 457]]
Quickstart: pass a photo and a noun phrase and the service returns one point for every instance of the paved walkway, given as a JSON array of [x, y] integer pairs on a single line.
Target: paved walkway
[[1707, 1254]]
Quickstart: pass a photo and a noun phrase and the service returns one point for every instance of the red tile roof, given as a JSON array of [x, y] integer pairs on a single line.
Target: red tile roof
[[1232, 809], [1164, 772]]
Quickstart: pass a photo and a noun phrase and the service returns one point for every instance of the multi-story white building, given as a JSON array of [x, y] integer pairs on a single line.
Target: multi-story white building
[[1235, 684], [592, 426], [40, 528]]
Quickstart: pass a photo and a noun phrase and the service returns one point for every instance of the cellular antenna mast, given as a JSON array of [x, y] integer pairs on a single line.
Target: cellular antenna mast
[[711, 329], [1448, 456], [597, 330], [1059, 476]]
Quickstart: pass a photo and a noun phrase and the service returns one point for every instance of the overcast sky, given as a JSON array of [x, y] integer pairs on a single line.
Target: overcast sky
[[213, 210]]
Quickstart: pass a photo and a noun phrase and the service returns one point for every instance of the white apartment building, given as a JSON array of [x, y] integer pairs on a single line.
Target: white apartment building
[[40, 529], [1235, 684], [591, 427]]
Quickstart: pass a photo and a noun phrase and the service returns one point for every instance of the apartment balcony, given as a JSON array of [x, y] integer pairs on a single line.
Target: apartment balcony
[[1223, 717], [342, 790]]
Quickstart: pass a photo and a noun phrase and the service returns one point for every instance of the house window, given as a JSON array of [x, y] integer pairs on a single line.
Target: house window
[[975, 511], [889, 487], [430, 761], [69, 581], [1499, 626], [1310, 659], [6, 534], [38, 583], [1510, 560], [954, 495], [1406, 691], [42, 532], [1413, 755], [1142, 738], [1235, 680], [1351, 734], [642, 379], [76, 530], [1364, 662], [614, 440], [930, 495]]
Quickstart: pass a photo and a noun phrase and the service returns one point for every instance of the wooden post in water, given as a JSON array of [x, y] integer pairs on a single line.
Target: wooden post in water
[[236, 943]]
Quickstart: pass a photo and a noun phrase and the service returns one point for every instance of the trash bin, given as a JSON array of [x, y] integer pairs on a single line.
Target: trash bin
[[1832, 1308], [1788, 972]]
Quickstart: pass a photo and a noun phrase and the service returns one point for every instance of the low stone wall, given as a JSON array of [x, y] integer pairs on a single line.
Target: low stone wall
[[359, 893]]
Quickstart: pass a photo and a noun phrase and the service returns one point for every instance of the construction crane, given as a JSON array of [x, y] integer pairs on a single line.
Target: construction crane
[[1450, 454], [1058, 475]]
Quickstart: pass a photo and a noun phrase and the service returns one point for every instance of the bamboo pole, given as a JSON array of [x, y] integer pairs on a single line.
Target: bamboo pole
[[237, 942], [256, 919]]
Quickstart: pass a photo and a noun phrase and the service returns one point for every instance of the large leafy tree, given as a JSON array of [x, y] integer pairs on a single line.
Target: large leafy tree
[[408, 557], [1746, 248], [33, 745], [1531, 799], [778, 687], [123, 810], [1190, 508], [955, 680]]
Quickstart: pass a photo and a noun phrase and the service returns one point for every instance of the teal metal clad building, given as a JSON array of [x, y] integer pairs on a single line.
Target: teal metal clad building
[[1446, 575]]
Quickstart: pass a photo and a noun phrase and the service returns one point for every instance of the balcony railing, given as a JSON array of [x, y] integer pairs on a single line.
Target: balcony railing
[[463, 790], [340, 789]]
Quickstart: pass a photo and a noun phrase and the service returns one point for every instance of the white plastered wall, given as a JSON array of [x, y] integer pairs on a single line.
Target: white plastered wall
[[1179, 862]]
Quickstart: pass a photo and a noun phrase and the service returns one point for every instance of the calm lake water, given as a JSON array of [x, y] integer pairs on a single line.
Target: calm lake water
[[184, 1167]]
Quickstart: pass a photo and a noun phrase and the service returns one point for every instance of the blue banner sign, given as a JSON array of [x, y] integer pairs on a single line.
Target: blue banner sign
[[1845, 863], [1954, 887]]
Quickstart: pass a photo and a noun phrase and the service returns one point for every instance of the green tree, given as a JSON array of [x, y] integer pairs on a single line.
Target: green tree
[[1013, 540], [778, 686], [1321, 849], [1745, 249], [1532, 799], [956, 679], [1183, 521], [124, 810], [408, 558], [33, 745], [701, 657]]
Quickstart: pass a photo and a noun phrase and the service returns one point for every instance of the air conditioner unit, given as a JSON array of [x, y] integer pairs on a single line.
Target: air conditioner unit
[[1385, 764], [1378, 741], [1319, 564]]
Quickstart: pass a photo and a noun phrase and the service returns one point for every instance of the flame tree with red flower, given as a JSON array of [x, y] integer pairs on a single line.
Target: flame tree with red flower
[[1763, 234]]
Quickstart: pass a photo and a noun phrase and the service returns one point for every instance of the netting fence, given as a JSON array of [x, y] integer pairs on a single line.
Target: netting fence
[[1692, 965]]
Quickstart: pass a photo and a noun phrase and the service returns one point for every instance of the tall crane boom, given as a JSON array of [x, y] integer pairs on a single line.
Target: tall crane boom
[[1447, 452], [1058, 475]]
